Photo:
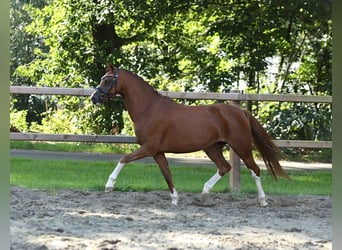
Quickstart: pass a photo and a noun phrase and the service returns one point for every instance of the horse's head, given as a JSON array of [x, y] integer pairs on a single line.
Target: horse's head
[[107, 87]]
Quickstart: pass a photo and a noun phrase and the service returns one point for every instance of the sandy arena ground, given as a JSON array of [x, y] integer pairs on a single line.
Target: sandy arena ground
[[146, 220]]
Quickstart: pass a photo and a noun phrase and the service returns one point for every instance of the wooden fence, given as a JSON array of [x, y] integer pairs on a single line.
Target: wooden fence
[[234, 97]]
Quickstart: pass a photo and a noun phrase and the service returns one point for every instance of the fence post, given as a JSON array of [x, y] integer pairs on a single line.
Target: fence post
[[234, 177]]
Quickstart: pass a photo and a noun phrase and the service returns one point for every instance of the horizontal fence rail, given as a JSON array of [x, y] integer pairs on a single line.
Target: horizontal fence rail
[[72, 138], [132, 139], [180, 95]]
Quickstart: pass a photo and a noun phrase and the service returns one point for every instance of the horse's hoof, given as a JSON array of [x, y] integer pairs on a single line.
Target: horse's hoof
[[263, 202], [108, 189], [174, 203]]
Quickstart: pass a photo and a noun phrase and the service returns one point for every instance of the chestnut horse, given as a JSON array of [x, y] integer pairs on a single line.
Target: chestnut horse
[[164, 126]]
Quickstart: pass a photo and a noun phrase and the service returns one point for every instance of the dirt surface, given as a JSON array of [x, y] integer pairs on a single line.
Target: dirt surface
[[130, 220]]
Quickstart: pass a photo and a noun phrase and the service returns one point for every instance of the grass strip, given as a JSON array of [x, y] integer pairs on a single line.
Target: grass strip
[[84, 175]]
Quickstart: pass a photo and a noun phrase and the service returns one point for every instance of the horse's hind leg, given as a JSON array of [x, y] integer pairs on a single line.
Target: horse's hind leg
[[214, 152], [245, 153], [164, 167]]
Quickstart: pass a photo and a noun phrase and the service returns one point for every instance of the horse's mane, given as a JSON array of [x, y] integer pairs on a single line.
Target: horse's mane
[[140, 79]]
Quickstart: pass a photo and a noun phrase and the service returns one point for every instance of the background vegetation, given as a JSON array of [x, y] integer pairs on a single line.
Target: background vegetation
[[277, 46]]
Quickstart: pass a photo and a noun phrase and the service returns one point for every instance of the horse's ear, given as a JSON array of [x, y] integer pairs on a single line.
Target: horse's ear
[[109, 67]]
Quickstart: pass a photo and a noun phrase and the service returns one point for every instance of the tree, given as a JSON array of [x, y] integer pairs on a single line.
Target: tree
[[21, 50], [304, 68], [196, 45]]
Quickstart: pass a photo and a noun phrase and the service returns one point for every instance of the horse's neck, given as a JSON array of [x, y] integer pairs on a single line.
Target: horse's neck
[[139, 99]]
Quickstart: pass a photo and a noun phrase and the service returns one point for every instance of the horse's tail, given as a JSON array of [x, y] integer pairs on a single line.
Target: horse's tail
[[268, 150]]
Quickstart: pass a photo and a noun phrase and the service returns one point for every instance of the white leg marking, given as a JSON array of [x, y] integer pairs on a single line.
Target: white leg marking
[[112, 178], [174, 197], [261, 193], [211, 182]]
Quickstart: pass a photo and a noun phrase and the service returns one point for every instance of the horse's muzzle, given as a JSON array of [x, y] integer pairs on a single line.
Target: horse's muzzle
[[96, 97]]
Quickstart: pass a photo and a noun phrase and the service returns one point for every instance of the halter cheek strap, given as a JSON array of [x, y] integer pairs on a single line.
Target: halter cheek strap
[[116, 77]]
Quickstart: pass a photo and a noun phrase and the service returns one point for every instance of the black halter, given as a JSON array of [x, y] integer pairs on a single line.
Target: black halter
[[113, 83], [102, 92]]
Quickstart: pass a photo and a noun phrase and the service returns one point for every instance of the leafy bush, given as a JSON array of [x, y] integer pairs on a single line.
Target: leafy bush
[[18, 120], [103, 119], [57, 121]]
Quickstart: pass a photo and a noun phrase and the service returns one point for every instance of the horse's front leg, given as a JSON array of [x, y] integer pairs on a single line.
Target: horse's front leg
[[140, 153], [113, 176], [164, 167]]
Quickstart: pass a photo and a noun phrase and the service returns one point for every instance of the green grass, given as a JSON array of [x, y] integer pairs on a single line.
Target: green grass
[[292, 154], [85, 175]]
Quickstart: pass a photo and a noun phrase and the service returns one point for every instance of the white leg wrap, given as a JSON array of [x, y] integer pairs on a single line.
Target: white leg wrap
[[211, 183], [174, 197], [261, 193], [113, 176]]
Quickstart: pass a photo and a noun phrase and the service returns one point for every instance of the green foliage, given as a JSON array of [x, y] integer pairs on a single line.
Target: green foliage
[[295, 121], [129, 126], [299, 121], [104, 119], [35, 106], [272, 47], [57, 122], [18, 120]]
